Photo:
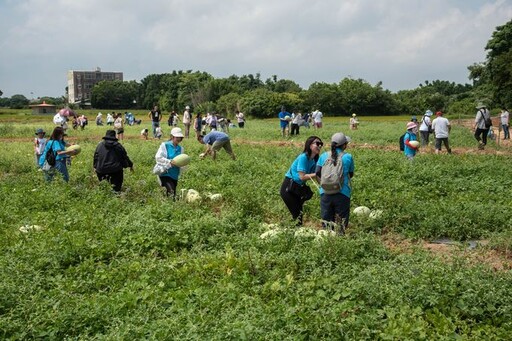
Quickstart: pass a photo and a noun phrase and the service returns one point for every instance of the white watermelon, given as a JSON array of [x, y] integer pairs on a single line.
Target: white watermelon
[[181, 160], [415, 144], [76, 148], [362, 211]]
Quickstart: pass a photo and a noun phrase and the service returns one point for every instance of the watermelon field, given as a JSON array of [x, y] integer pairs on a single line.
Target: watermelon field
[[80, 262]]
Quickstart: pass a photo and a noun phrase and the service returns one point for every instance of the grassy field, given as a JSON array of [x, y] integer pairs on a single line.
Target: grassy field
[[138, 266]]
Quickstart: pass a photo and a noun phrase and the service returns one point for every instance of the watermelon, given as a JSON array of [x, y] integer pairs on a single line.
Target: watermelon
[[181, 160], [76, 148]]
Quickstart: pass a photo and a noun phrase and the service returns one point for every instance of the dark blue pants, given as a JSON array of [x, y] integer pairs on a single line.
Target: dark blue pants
[[335, 208]]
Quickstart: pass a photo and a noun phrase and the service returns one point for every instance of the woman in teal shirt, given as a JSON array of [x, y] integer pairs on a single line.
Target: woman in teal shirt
[[294, 190], [58, 146]]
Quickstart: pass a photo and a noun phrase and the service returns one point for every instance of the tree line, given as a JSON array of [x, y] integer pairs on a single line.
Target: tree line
[[491, 83]]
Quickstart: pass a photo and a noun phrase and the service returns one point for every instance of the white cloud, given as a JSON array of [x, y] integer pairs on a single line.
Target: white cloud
[[399, 42]]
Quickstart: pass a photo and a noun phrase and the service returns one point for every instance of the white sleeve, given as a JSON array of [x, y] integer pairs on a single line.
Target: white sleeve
[[161, 155]]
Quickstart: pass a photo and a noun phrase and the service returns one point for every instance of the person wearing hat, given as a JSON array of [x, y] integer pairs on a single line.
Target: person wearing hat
[[335, 208], [410, 135], [482, 125], [294, 190], [426, 128], [110, 158], [39, 144], [187, 121], [353, 122], [164, 156], [156, 116], [214, 141], [441, 128], [58, 146]]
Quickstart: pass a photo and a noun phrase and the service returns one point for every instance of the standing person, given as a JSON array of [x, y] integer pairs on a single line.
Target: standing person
[[482, 125], [187, 118], [110, 119], [353, 122], [294, 190], [58, 147], [240, 119], [284, 122], [213, 121], [335, 207], [215, 140], [156, 116], [307, 120], [426, 128], [110, 158], [119, 126], [410, 135], [296, 123], [317, 119], [39, 144], [99, 119], [198, 124], [165, 155], [441, 127], [505, 119]]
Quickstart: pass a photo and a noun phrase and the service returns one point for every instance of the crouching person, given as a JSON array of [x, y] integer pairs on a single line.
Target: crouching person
[[110, 158], [215, 140]]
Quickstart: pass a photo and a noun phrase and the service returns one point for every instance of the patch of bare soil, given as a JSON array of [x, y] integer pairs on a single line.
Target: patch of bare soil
[[481, 254]]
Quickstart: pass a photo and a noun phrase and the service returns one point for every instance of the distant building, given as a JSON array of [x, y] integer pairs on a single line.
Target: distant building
[[80, 83], [43, 108]]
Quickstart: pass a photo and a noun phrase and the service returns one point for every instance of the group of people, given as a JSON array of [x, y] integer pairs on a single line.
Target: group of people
[[440, 127], [110, 157], [197, 122], [313, 166], [297, 120]]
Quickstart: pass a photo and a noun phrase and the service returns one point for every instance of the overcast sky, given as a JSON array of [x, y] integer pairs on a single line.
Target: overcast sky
[[399, 42]]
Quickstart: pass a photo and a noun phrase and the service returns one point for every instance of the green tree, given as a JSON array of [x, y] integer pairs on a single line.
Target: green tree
[[114, 94], [19, 102], [229, 103], [499, 63], [323, 96]]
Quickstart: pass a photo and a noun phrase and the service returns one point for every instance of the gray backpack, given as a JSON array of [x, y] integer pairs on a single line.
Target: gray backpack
[[331, 178]]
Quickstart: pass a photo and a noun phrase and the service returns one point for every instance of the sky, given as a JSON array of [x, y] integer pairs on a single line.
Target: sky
[[400, 43]]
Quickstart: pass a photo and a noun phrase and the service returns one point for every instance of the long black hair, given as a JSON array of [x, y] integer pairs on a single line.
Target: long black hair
[[307, 146], [57, 133]]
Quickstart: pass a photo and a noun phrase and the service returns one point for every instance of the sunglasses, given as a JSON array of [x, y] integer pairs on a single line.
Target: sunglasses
[[319, 144]]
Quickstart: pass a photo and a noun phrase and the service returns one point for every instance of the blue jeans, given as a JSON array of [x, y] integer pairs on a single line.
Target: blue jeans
[[335, 208], [154, 125], [61, 167], [505, 131]]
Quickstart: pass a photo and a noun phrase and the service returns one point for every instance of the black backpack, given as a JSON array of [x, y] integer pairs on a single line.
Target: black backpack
[[50, 157], [402, 143]]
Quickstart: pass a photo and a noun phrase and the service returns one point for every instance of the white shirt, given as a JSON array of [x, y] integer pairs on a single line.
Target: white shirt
[[504, 117], [479, 119], [186, 117], [425, 123], [297, 118], [441, 127], [317, 116]]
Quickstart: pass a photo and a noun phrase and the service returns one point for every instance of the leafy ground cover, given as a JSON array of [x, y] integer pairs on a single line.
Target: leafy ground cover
[[140, 266]]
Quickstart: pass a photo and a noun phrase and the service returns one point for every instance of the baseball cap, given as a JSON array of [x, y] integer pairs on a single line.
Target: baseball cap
[[176, 132], [340, 139]]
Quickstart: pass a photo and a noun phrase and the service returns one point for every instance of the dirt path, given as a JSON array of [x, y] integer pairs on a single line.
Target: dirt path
[[481, 254]]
